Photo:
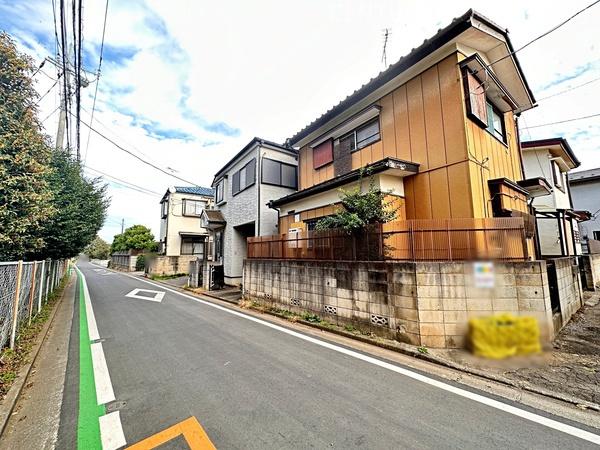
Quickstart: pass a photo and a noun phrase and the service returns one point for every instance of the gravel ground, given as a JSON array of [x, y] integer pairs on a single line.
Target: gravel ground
[[571, 365]]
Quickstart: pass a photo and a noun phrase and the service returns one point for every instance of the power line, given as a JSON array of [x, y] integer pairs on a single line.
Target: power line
[[48, 116], [138, 157], [66, 86], [97, 81], [561, 121], [556, 27], [569, 89], [124, 183], [48, 91]]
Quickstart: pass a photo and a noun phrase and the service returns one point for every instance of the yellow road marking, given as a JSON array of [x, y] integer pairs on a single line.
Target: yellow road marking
[[192, 431]]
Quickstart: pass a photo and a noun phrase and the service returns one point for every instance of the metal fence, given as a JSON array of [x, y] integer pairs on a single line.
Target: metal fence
[[24, 289], [409, 240]]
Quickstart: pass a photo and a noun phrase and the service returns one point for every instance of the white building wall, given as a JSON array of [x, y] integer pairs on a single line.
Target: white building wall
[[177, 222]]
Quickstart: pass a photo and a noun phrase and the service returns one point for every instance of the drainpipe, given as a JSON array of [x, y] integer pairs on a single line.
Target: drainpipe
[[259, 184]]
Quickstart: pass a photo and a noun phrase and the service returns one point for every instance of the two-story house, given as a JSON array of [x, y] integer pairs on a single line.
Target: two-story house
[[437, 129], [585, 191], [259, 172], [547, 163], [181, 233]]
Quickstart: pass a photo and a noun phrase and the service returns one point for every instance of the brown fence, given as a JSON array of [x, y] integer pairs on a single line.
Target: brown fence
[[410, 240]]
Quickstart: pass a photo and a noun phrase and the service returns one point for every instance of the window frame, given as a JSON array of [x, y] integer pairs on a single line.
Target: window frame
[[490, 118], [281, 164], [320, 148], [198, 240], [220, 189], [164, 209], [354, 133], [238, 173], [192, 200]]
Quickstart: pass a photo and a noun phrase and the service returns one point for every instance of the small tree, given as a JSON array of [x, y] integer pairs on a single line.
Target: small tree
[[360, 209], [98, 249], [136, 237]]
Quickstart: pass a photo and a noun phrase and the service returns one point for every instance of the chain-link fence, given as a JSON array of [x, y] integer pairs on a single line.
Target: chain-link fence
[[24, 289]]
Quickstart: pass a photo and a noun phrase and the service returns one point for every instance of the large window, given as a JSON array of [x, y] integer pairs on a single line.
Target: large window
[[557, 175], [193, 207], [244, 178], [361, 137], [220, 191], [279, 173], [480, 109], [192, 246]]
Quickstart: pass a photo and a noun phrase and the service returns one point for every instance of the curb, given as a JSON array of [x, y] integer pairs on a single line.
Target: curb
[[410, 351], [8, 404]]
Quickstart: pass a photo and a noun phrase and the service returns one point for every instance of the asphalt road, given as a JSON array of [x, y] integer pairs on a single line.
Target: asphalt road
[[253, 386]]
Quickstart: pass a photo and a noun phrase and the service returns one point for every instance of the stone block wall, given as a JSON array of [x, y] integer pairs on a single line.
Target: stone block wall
[[423, 303], [169, 265], [591, 267]]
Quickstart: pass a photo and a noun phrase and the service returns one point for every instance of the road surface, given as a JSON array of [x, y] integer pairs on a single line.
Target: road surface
[[162, 359]]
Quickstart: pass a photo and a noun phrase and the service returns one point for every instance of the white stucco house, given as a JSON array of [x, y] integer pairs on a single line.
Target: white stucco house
[[259, 172], [181, 233], [546, 164]]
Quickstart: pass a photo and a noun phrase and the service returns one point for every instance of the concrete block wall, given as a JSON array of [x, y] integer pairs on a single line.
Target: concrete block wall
[[169, 265], [569, 288], [591, 267], [423, 303]]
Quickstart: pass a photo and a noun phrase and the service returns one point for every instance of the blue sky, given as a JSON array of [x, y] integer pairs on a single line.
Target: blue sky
[[186, 84]]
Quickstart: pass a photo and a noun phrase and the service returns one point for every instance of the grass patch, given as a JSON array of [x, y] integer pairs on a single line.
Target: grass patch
[[167, 277], [12, 360]]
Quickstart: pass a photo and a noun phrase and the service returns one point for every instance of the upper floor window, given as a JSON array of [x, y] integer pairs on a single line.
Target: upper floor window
[[279, 173], [361, 137], [193, 207], [220, 191], [244, 178], [557, 175], [479, 108], [164, 208]]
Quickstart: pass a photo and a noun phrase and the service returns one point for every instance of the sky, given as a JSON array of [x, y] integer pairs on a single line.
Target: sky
[[186, 84]]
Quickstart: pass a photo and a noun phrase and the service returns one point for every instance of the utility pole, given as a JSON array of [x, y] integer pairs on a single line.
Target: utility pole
[[122, 225], [62, 118]]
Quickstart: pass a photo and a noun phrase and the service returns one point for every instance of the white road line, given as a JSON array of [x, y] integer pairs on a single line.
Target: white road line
[[111, 431], [545, 421], [104, 389]]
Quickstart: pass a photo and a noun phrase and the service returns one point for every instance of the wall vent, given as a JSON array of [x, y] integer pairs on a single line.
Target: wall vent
[[330, 309], [379, 320], [295, 301]]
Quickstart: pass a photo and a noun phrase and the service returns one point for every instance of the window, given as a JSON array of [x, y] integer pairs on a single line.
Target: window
[[361, 137], [220, 190], [323, 154], [495, 122], [193, 207], [557, 175], [244, 178], [164, 208], [596, 235], [192, 246], [279, 174]]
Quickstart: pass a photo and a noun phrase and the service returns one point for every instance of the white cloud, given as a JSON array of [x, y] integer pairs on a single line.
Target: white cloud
[[175, 69]]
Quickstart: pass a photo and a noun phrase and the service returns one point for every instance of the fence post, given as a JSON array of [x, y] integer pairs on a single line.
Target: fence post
[[48, 277], [32, 291], [15, 316], [42, 277]]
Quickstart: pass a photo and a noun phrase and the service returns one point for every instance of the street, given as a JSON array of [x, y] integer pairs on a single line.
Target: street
[[252, 384]]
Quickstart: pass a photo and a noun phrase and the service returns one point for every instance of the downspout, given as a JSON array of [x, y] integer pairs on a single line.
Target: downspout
[[259, 183]]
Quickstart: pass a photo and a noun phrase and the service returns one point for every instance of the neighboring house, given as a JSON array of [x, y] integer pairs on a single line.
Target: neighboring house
[[181, 233], [585, 191], [437, 129], [547, 163], [258, 173]]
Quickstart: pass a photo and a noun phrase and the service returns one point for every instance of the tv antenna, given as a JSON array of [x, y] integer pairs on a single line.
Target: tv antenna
[[386, 35]]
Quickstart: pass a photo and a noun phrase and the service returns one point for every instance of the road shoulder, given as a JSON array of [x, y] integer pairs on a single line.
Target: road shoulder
[[35, 419]]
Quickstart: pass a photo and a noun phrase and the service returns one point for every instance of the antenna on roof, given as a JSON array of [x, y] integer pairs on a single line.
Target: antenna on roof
[[386, 35]]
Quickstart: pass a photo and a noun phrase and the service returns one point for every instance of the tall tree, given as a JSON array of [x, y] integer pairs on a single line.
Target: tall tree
[[25, 195], [80, 208], [136, 237], [98, 249]]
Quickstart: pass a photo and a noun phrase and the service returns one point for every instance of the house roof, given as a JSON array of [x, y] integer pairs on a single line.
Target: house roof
[[193, 190], [584, 175], [354, 175], [558, 144], [460, 24], [248, 146]]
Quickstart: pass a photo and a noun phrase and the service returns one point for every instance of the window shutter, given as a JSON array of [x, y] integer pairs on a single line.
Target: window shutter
[[475, 95], [323, 154], [251, 172], [235, 183]]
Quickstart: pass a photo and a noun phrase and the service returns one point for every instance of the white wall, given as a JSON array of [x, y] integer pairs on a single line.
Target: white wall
[[177, 222]]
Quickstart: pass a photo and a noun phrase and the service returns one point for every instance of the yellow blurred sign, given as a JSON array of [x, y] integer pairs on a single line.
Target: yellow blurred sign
[[504, 335]]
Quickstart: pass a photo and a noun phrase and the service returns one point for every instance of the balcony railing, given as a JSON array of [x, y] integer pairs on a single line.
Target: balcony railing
[[410, 240]]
